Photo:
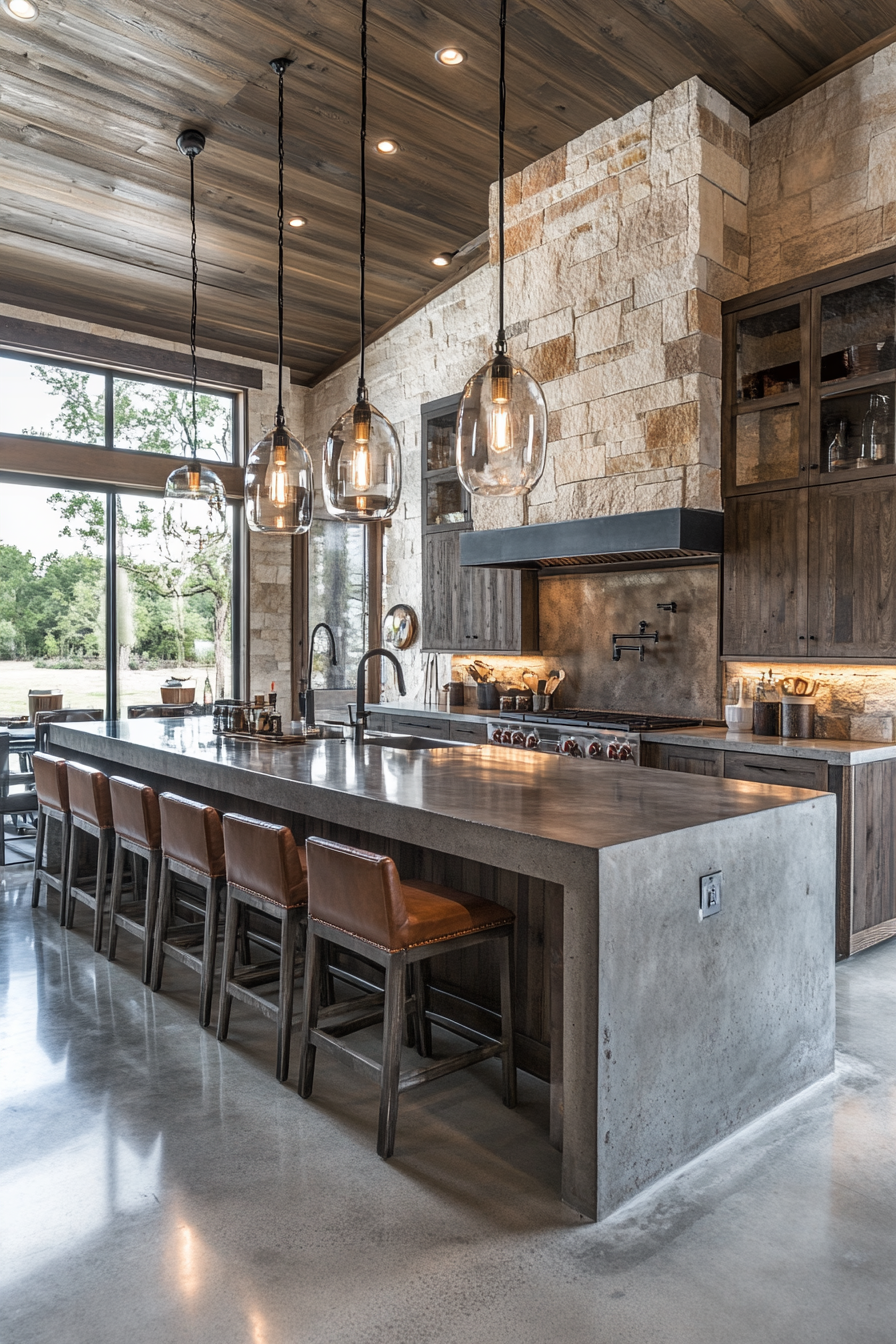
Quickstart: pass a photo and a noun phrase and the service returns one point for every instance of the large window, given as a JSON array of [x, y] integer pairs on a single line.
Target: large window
[[97, 598]]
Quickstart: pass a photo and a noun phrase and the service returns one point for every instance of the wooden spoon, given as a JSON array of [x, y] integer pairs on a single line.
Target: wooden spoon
[[530, 681]]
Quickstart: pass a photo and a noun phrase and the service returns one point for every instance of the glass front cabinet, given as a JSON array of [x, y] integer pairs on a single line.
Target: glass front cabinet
[[809, 470], [809, 387]]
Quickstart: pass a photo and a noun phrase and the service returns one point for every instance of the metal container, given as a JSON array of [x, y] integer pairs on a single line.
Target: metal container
[[797, 718], [523, 702], [767, 718], [486, 695], [541, 703]]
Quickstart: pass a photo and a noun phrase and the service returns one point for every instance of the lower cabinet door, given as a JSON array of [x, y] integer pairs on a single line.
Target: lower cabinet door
[[765, 574], [686, 760], [852, 564], [796, 772]]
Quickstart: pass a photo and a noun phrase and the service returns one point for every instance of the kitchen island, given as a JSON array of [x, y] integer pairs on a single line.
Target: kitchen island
[[660, 1033]]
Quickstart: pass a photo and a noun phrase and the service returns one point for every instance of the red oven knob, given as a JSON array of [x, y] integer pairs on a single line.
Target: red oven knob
[[613, 750], [625, 751], [505, 737], [497, 735], [532, 741], [594, 750], [518, 738], [570, 747]]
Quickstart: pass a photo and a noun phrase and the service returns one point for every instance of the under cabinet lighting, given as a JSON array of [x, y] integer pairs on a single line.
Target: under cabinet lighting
[[451, 56], [387, 146], [25, 11], [297, 222]]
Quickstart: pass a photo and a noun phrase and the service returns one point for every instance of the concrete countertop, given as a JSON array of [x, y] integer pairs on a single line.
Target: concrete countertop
[[433, 711], [833, 750], [585, 804]]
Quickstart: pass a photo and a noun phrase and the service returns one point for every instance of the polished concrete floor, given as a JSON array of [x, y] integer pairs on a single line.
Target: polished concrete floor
[[157, 1186]]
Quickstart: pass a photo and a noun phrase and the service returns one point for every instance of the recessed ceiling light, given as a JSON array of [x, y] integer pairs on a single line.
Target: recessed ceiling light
[[25, 11], [443, 259], [297, 222], [388, 146], [451, 56]]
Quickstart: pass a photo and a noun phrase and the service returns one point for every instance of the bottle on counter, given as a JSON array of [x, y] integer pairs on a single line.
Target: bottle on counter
[[207, 693]]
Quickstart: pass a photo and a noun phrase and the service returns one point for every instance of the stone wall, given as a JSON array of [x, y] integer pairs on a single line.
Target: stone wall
[[823, 175]]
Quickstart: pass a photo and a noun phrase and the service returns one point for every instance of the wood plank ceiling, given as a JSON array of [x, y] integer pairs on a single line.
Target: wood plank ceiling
[[93, 205]]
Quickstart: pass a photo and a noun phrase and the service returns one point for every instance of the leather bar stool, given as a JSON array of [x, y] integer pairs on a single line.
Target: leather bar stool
[[51, 786], [91, 807], [138, 832], [357, 900], [266, 872], [193, 848]]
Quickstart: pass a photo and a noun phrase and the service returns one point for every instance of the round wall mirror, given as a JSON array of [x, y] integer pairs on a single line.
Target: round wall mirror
[[400, 626]]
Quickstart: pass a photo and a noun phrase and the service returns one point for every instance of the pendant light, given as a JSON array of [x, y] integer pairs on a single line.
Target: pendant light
[[195, 502], [502, 419], [279, 479], [362, 456]]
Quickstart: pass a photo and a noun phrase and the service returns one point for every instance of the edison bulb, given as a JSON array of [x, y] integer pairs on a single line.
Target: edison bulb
[[279, 490], [502, 429], [362, 465]]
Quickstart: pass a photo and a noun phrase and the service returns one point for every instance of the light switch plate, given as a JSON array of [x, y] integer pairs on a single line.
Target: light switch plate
[[710, 895]]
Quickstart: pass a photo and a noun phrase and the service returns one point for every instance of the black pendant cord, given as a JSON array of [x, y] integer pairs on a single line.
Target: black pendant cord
[[501, 343], [195, 293], [362, 390], [280, 416]]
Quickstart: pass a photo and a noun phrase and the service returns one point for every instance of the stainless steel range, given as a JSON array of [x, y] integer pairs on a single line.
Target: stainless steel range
[[591, 734]]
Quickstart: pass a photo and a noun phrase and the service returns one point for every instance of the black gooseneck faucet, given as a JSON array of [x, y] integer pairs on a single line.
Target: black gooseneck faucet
[[360, 712], [309, 693]]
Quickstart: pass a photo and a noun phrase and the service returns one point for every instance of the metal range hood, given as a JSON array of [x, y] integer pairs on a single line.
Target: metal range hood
[[657, 539]]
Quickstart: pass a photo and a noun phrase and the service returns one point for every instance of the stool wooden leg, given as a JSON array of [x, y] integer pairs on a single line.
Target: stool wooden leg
[[289, 931], [393, 1033], [153, 873], [67, 910], [209, 952], [163, 918], [115, 895], [39, 839], [231, 924], [508, 1064], [102, 867], [65, 868], [422, 1027], [245, 947], [315, 951]]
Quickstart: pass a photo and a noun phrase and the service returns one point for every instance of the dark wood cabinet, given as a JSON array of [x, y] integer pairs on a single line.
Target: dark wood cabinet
[[464, 610], [852, 570], [686, 760], [765, 575]]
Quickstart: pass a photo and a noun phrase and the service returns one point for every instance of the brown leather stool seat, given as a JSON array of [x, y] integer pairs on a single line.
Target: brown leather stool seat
[[51, 787], [138, 832], [193, 848], [266, 872], [91, 808], [356, 900]]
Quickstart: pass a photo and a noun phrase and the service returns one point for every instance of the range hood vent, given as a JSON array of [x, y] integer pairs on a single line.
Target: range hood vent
[[659, 538]]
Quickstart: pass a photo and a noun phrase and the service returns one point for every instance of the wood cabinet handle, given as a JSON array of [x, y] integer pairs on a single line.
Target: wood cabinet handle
[[801, 636]]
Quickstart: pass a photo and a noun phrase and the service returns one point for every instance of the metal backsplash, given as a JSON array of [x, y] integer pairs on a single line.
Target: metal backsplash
[[680, 674]]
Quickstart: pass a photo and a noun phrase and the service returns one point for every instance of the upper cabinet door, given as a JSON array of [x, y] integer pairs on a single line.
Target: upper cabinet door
[[852, 564], [764, 613], [766, 410], [852, 423]]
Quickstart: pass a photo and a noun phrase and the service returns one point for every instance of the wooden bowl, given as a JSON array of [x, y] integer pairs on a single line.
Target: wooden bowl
[[178, 695]]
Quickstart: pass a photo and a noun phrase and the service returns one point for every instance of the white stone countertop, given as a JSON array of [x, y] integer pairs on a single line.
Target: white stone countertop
[[833, 750]]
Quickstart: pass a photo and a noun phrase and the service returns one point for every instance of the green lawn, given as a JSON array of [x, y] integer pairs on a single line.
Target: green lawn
[[83, 688]]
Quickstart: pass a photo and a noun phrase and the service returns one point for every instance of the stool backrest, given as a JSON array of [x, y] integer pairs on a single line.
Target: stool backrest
[[263, 857], [355, 890], [135, 812], [191, 833], [51, 780], [88, 792]]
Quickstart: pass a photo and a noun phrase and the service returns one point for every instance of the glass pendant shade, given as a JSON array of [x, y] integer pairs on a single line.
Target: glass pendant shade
[[502, 430], [362, 466], [195, 504], [279, 484]]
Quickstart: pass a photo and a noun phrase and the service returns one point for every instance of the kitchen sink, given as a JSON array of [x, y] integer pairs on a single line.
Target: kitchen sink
[[407, 742]]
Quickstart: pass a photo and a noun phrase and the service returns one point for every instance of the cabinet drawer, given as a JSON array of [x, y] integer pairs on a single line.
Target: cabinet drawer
[[792, 771], [420, 726], [469, 732], [685, 760]]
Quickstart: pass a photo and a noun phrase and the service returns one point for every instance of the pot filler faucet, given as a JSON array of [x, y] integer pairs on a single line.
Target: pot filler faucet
[[361, 714], [309, 694]]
